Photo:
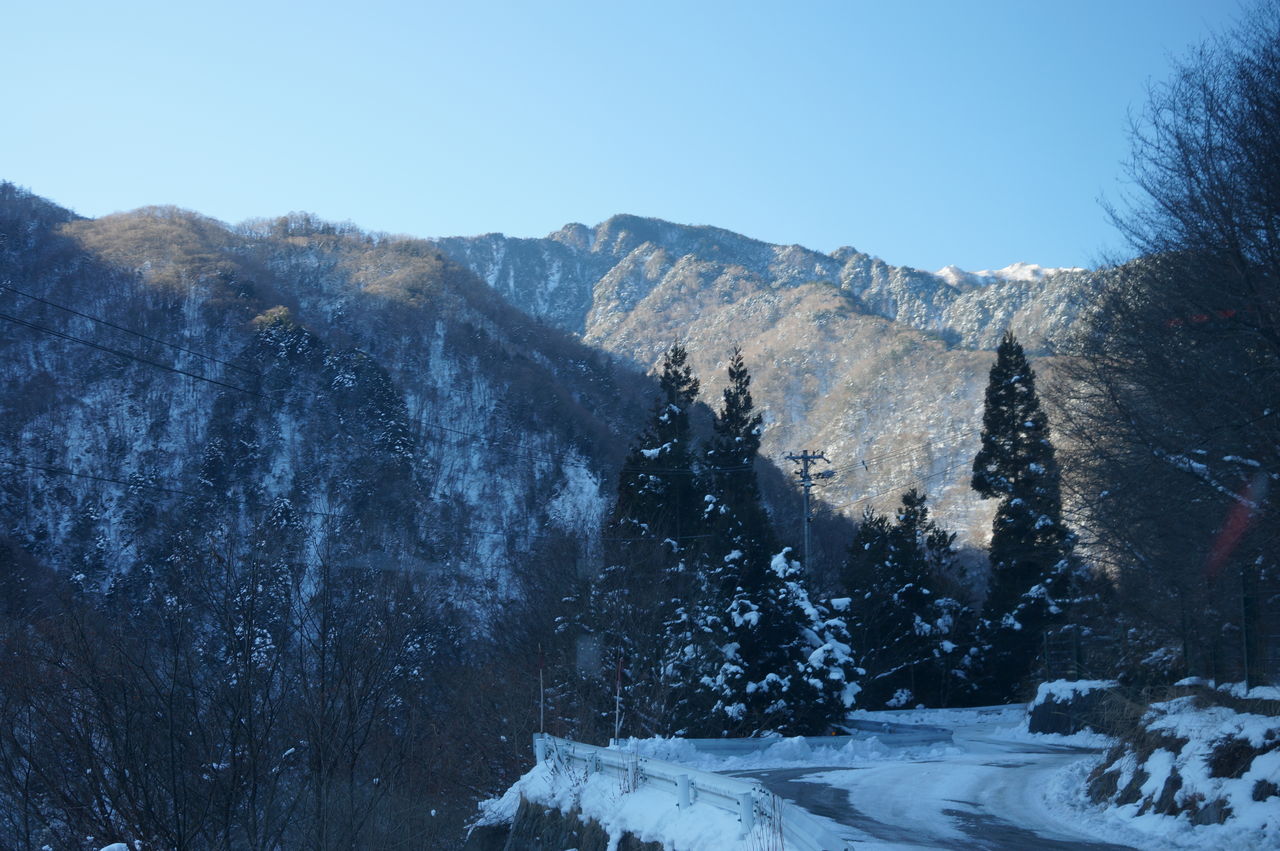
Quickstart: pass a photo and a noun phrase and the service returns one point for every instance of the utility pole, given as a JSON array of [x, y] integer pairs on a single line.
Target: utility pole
[[805, 459]]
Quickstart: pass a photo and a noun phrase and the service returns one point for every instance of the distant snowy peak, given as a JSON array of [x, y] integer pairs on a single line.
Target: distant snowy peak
[[1027, 271], [1023, 272]]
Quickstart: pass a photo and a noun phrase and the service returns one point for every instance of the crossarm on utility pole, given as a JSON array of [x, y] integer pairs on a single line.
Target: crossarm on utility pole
[[805, 459]]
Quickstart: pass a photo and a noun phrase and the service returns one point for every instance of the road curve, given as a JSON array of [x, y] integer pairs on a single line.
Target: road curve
[[983, 792]]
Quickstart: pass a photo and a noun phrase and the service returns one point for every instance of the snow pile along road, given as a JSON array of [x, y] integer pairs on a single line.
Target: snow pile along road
[[1210, 767]]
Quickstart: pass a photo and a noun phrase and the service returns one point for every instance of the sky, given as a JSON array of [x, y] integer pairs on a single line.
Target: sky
[[926, 133]]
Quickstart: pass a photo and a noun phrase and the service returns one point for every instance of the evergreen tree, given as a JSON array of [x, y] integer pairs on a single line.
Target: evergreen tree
[[657, 495], [764, 656], [741, 539], [647, 574], [1030, 546], [824, 670], [730, 460], [905, 622]]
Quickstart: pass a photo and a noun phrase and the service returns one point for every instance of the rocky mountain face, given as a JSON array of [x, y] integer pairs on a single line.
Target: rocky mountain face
[[586, 280], [882, 367]]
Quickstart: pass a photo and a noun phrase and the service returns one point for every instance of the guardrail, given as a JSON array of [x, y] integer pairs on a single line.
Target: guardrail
[[887, 731], [752, 804]]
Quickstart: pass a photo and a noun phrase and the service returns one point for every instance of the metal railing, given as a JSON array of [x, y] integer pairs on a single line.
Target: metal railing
[[754, 806]]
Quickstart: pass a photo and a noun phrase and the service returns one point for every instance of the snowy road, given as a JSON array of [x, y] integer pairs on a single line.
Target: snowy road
[[985, 791], [905, 779]]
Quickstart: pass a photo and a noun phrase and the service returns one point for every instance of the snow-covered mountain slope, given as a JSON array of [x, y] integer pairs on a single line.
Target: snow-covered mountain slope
[[359, 400], [583, 278], [881, 366], [497, 438]]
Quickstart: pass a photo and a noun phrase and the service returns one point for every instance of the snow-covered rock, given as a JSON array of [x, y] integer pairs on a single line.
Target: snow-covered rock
[[1195, 764], [1067, 707]]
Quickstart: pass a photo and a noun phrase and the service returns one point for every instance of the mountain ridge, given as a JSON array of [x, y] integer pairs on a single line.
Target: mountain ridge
[[315, 376], [557, 278]]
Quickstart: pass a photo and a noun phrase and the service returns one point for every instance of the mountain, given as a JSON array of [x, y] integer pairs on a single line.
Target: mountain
[[585, 279], [172, 382], [882, 367], [413, 390]]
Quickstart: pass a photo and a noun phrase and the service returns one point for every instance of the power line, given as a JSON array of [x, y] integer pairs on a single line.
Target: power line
[[908, 450], [128, 356], [886, 491], [901, 451], [143, 336], [440, 426], [687, 471], [313, 391], [61, 472]]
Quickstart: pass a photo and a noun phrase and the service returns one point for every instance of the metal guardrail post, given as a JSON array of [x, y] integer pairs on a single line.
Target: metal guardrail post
[[682, 791], [746, 812]]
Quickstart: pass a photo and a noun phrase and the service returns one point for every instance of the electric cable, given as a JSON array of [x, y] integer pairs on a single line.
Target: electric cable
[[127, 355], [143, 336]]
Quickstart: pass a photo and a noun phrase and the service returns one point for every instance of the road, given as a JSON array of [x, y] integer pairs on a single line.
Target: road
[[979, 791]]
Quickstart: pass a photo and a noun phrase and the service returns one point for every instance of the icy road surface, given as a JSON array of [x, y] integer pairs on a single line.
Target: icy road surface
[[988, 787]]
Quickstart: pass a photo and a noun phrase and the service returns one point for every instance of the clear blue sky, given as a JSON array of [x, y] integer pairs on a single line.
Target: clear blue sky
[[976, 133]]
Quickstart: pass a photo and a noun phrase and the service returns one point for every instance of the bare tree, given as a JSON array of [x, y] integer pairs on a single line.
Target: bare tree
[[1172, 398]]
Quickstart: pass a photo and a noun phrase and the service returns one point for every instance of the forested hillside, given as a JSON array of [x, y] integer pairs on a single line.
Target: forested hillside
[[880, 366], [295, 490], [362, 390], [313, 495]]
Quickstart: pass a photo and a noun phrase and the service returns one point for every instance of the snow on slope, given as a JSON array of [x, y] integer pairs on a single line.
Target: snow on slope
[[882, 367]]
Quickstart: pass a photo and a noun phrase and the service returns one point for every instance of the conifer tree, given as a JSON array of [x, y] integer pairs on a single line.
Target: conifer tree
[[647, 575], [731, 455], [742, 541], [1030, 546], [764, 656], [656, 491], [904, 621]]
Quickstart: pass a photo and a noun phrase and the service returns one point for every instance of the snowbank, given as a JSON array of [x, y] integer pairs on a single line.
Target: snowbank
[[1193, 764], [647, 814], [793, 752], [1067, 707]]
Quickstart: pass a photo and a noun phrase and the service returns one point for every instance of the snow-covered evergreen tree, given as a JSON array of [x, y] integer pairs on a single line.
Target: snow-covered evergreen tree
[[1030, 546], [765, 657], [907, 625], [642, 591], [657, 495], [826, 678]]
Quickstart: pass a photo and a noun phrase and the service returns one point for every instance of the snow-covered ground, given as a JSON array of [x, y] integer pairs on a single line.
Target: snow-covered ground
[[991, 785]]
